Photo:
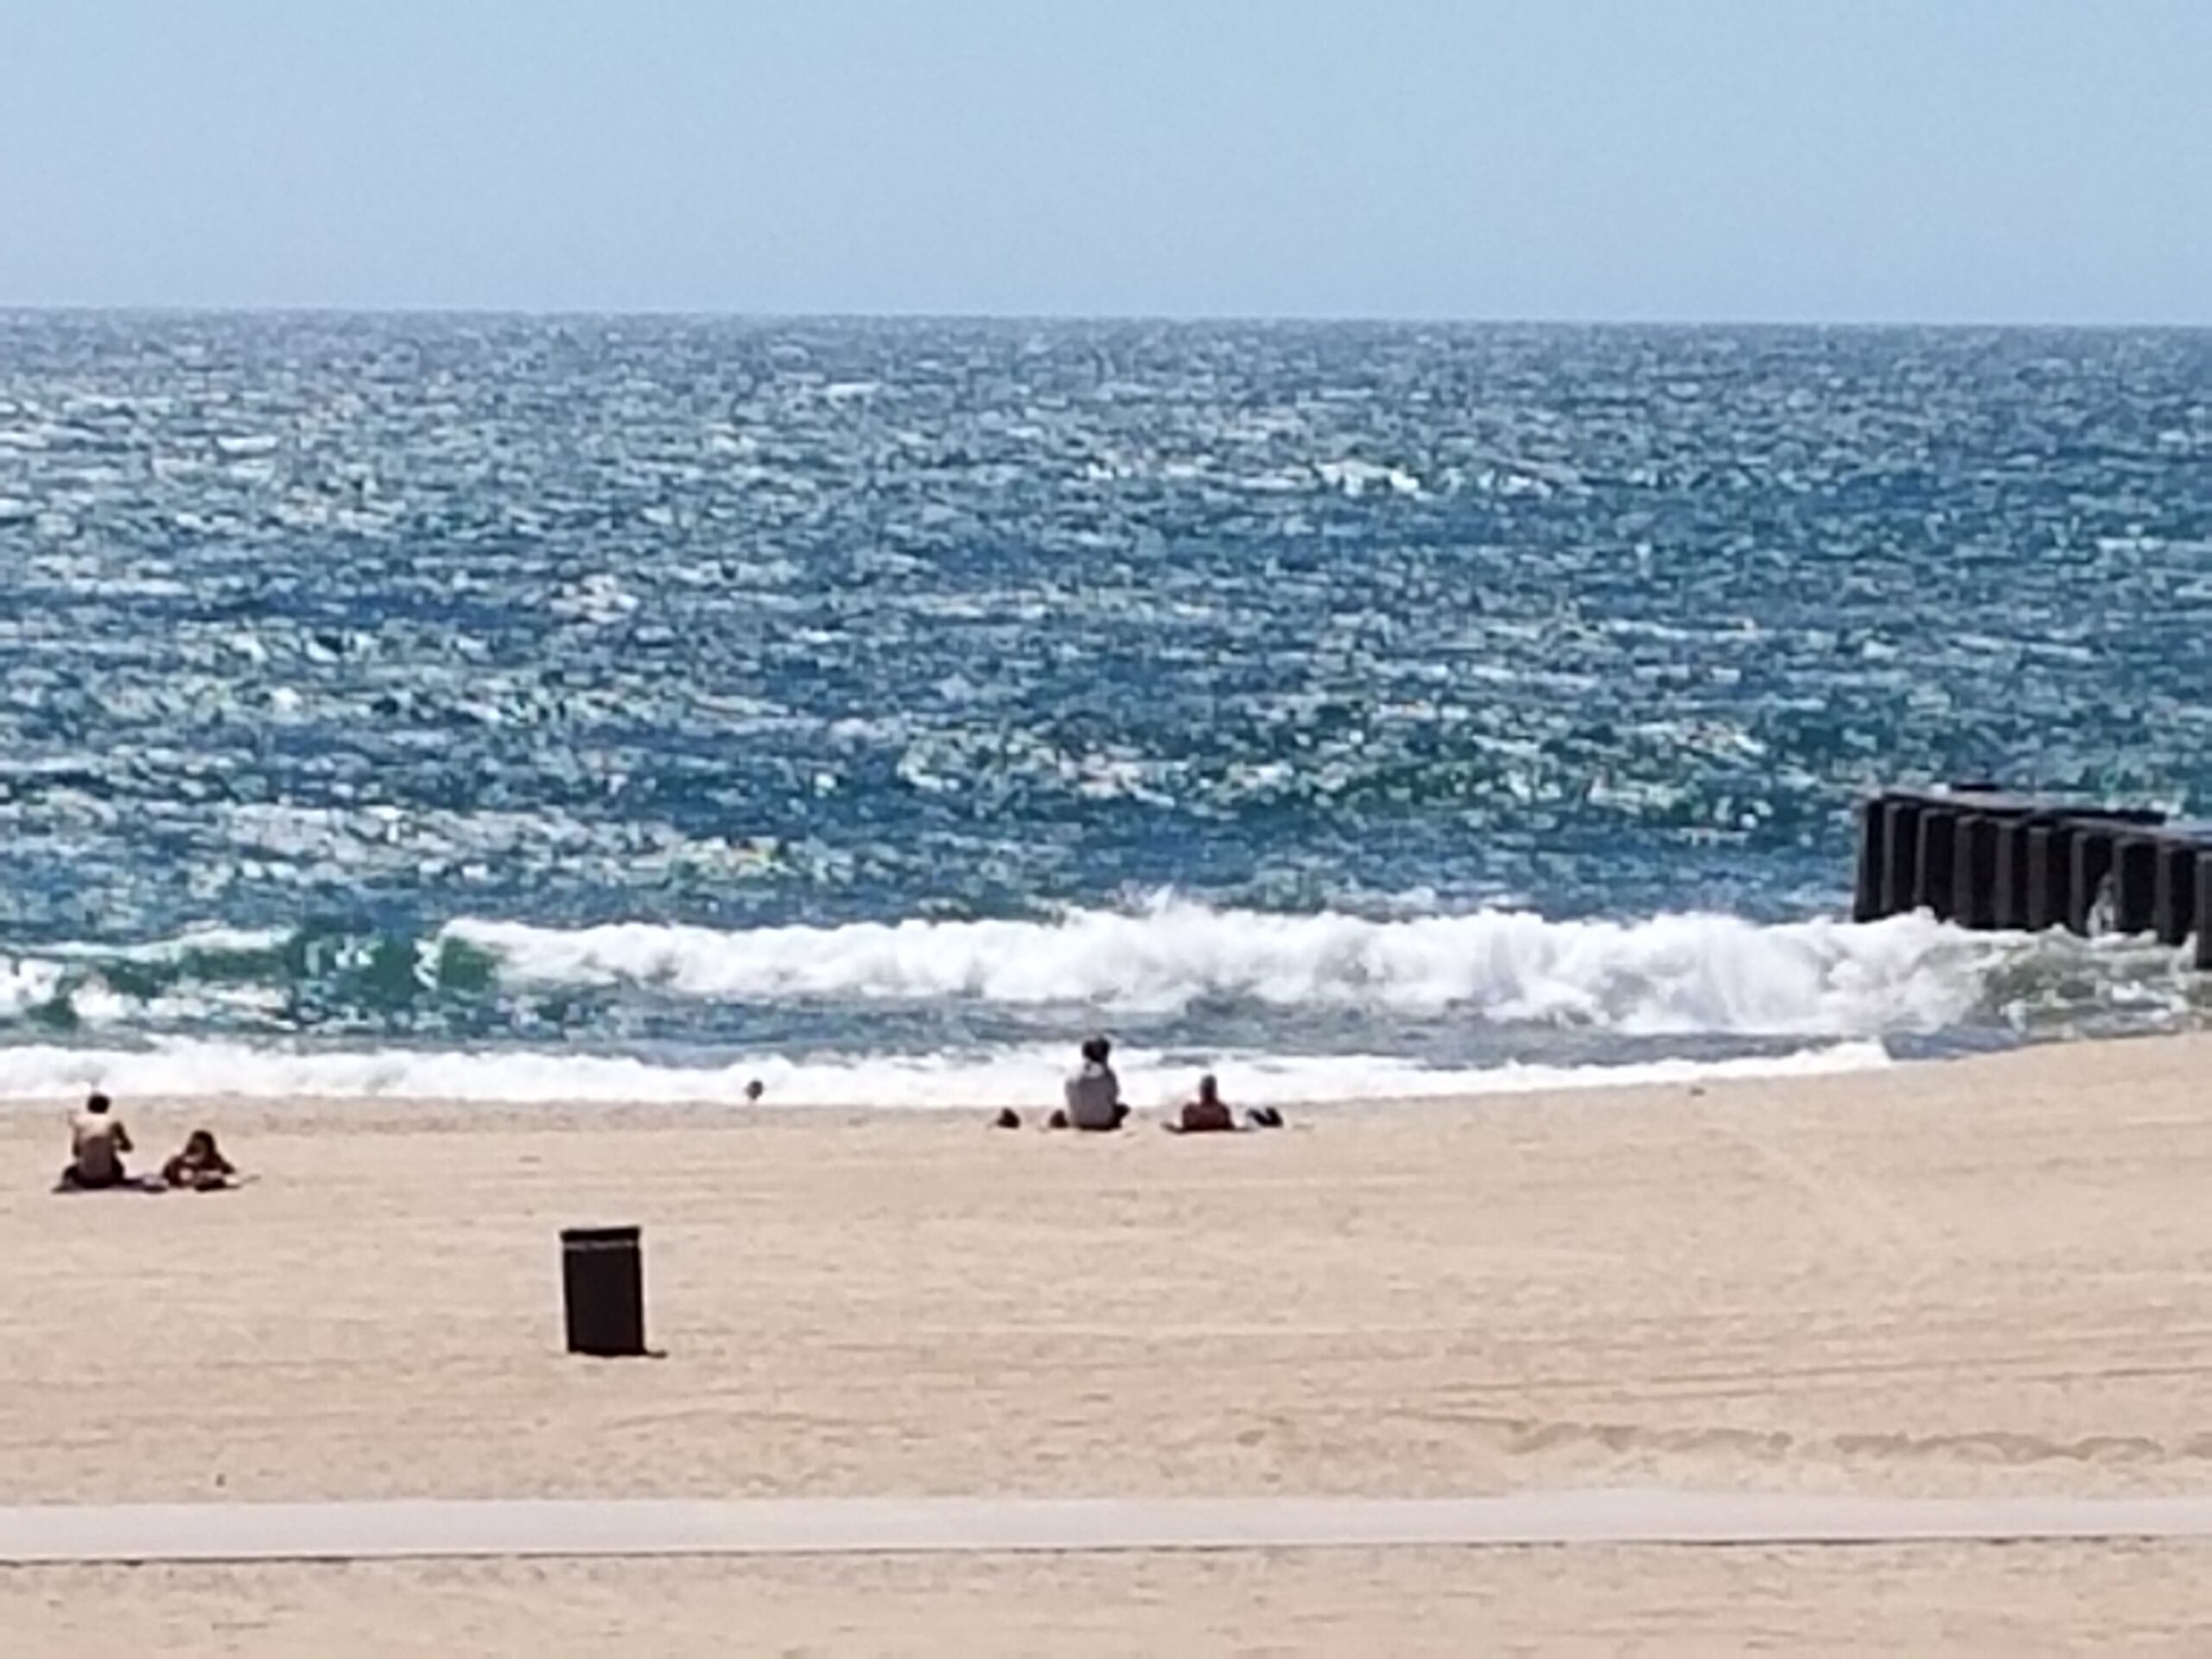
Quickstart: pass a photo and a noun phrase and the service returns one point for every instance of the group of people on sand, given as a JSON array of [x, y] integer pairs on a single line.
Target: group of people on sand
[[1092, 1101], [98, 1142]]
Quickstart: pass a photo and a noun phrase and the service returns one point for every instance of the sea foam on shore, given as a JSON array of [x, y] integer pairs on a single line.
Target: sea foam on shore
[[195, 1068]]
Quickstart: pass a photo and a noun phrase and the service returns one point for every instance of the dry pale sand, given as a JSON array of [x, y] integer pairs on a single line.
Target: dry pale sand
[[2016, 1599], [1989, 1275]]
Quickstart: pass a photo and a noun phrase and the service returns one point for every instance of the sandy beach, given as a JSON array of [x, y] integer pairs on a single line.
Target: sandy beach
[[2013, 1600], [1977, 1277]]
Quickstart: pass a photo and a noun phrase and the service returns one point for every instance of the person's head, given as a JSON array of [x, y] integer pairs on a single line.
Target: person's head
[[96, 1102], [200, 1143], [755, 1089], [1096, 1049], [1209, 1090]]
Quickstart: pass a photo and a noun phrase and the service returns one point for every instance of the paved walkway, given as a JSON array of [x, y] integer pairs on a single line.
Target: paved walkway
[[235, 1532]]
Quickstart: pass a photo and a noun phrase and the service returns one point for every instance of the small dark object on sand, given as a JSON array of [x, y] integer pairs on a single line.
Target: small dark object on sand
[[1006, 1119], [1266, 1117], [1058, 1120]]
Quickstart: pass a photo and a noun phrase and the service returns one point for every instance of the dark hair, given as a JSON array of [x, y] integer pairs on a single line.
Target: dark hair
[[1096, 1049], [96, 1102], [202, 1140]]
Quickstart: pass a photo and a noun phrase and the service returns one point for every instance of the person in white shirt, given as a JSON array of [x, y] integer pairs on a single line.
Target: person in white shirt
[[1093, 1092], [97, 1143]]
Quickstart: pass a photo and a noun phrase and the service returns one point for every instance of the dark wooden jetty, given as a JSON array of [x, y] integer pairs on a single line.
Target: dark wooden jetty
[[1981, 858]]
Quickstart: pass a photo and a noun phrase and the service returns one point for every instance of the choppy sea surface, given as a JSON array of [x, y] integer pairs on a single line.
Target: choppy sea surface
[[525, 707]]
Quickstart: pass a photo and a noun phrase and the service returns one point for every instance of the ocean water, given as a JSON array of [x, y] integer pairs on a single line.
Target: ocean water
[[520, 708]]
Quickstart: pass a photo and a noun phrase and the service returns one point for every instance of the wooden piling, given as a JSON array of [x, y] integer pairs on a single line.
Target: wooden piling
[[1935, 859], [2045, 901], [1973, 871], [2135, 874], [2204, 915], [1867, 897], [2009, 895], [2089, 863], [2173, 891], [1900, 854]]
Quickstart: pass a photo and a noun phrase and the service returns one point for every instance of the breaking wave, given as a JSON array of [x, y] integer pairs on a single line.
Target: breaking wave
[[1321, 1006], [1669, 975]]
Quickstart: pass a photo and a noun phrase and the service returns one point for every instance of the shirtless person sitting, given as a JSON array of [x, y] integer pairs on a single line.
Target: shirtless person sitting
[[1209, 1114], [97, 1143]]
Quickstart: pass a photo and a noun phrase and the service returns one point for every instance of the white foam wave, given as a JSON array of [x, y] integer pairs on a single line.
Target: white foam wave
[[26, 983], [210, 937], [38, 979], [192, 1069], [1669, 975]]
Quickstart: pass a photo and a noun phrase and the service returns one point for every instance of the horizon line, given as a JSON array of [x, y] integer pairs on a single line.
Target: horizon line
[[1190, 319]]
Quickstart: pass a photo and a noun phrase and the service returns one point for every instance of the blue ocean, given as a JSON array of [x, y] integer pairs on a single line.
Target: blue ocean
[[515, 708]]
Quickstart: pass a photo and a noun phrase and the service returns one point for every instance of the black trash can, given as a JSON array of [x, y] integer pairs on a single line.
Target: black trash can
[[603, 1290]]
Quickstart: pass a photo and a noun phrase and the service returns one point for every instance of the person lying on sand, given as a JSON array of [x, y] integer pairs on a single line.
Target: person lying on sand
[[200, 1166], [97, 1143], [1093, 1093]]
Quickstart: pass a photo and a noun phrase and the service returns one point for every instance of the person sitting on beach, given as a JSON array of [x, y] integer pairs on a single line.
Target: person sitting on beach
[[97, 1143], [200, 1166], [1209, 1114], [1093, 1093]]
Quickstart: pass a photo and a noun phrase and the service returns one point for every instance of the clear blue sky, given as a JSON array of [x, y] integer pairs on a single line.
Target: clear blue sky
[[2002, 160]]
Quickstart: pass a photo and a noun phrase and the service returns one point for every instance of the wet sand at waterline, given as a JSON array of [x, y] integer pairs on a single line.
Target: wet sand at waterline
[[1984, 1276]]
